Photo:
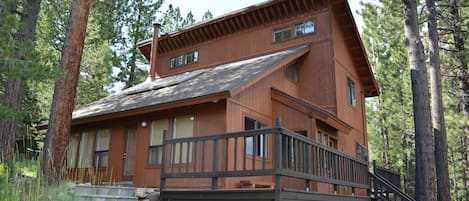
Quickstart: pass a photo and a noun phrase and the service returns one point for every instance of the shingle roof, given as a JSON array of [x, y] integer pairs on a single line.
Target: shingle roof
[[207, 81]]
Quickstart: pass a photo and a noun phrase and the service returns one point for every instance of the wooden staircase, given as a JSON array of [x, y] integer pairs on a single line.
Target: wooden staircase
[[385, 185]]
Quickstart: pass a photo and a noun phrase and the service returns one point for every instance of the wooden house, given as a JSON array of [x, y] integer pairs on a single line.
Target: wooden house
[[264, 103]]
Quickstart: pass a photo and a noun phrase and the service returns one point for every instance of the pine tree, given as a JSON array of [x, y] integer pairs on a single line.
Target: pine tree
[[18, 64], [207, 15], [138, 17], [64, 92], [438, 120], [424, 144], [390, 126]]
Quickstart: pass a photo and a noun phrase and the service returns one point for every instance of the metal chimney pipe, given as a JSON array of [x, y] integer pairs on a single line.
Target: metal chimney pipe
[[154, 51]]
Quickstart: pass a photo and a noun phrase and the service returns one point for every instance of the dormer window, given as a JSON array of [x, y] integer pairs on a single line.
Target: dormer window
[[185, 59], [282, 34], [299, 29], [304, 28]]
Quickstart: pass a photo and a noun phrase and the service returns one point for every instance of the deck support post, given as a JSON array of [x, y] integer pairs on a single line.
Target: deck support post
[[163, 165], [278, 160]]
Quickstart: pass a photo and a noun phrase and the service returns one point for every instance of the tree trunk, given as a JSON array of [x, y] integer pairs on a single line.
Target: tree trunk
[[14, 86], [58, 132], [463, 74], [438, 116], [425, 158]]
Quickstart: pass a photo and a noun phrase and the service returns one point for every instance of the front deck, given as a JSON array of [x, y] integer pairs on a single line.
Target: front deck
[[288, 165]]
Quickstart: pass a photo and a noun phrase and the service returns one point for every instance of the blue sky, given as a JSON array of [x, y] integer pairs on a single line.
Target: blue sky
[[221, 7]]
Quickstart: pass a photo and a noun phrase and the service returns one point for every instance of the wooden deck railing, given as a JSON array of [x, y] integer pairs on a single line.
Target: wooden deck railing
[[274, 151]]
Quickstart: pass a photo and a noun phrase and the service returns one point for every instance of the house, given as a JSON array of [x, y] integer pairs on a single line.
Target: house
[[264, 103]]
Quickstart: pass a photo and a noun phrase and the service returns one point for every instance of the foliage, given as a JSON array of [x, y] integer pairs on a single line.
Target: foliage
[[389, 116], [137, 19], [19, 181], [172, 20], [207, 15]]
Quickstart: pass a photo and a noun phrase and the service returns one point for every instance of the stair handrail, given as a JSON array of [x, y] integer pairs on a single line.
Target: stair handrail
[[394, 189]]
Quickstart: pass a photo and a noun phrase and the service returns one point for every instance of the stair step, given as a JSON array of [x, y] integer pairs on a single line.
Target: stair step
[[106, 198], [105, 190]]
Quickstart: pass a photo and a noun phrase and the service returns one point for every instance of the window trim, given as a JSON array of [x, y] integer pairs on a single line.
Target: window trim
[[180, 60], [158, 147], [303, 28], [292, 27], [260, 139], [97, 153], [282, 30], [351, 92], [189, 147]]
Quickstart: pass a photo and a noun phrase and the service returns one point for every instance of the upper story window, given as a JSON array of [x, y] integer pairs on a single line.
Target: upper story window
[[291, 72], [299, 29], [185, 59], [351, 98], [304, 28], [282, 34]]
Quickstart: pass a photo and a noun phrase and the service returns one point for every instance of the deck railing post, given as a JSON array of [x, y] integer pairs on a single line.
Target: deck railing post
[[163, 165], [307, 168], [278, 160], [215, 164]]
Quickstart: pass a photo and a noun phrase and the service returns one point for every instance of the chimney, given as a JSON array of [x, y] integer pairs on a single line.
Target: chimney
[[154, 51]]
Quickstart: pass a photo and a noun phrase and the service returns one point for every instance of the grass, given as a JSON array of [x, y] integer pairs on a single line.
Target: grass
[[20, 181]]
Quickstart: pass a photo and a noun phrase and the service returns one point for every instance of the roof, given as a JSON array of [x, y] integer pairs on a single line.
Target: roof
[[190, 85]]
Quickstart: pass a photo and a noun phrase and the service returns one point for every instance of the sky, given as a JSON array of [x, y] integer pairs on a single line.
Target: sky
[[221, 7]]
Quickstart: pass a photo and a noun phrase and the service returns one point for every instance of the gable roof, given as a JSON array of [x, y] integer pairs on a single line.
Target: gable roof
[[190, 85]]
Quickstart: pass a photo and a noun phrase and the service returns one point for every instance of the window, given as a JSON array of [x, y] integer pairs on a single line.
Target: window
[[352, 100], [362, 152], [101, 153], [72, 150], [156, 140], [304, 28], [92, 147], [256, 145], [291, 72], [282, 34], [86, 149], [191, 57], [183, 126], [180, 60], [326, 139]]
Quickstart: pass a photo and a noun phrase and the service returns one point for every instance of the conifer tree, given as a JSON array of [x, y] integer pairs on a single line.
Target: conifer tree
[[59, 127], [17, 63], [424, 144]]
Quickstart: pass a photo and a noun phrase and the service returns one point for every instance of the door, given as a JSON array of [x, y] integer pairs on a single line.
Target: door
[[129, 154]]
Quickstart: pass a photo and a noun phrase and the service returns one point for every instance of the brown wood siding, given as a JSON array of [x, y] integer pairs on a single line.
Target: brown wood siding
[[209, 119], [317, 81], [353, 115], [247, 43]]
